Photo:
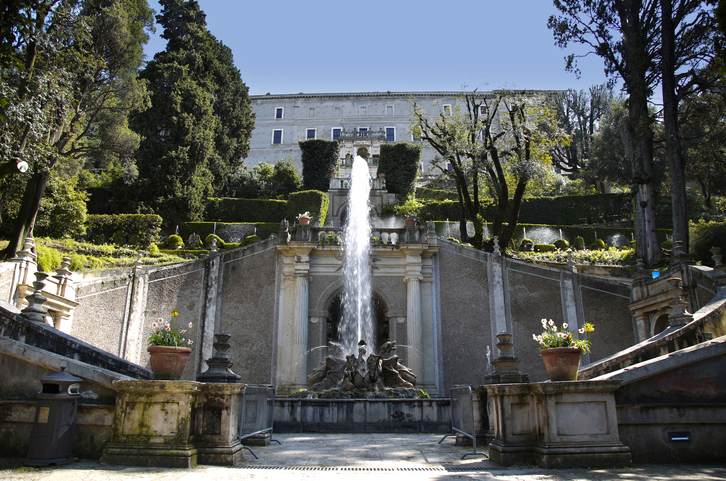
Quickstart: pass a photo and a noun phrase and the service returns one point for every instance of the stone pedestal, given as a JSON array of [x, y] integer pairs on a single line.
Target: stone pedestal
[[557, 425], [175, 424], [216, 424], [152, 425]]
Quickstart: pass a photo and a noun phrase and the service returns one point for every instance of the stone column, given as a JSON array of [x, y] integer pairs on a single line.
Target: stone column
[[300, 339], [25, 266], [414, 328]]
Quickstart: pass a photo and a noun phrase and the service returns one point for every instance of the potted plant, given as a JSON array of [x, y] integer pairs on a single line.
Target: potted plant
[[304, 218], [560, 352], [167, 348]]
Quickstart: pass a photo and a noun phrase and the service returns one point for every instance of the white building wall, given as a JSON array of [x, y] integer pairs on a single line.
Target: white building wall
[[348, 111]]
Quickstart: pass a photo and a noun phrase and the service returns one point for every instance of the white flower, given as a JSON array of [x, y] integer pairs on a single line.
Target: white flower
[[551, 322], [564, 325], [581, 330]]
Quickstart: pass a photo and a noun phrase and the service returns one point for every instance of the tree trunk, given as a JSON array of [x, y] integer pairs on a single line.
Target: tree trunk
[[676, 161], [27, 213]]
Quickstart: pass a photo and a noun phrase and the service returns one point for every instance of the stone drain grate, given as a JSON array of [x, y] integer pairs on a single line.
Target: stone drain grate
[[461, 468]]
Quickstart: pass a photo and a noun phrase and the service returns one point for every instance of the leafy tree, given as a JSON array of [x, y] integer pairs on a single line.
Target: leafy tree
[[504, 139], [198, 127], [265, 181], [704, 134], [72, 94], [644, 42], [621, 32]]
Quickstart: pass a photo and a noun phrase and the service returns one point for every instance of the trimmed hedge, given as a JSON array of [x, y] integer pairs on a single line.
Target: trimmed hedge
[[400, 163], [319, 159], [229, 209], [229, 231], [564, 210], [123, 229], [422, 193], [313, 201]]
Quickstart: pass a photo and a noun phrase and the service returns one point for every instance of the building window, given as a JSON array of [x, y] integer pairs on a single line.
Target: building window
[[416, 137], [277, 136], [390, 134], [337, 112], [336, 134], [310, 134], [362, 110], [311, 112], [279, 112], [484, 110], [446, 110], [389, 110], [362, 131]]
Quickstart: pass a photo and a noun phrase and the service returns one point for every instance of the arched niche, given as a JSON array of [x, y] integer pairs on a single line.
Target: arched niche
[[379, 311]]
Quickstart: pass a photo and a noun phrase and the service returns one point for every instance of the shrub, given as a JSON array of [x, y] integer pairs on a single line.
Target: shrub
[[251, 239], [598, 245], [667, 244], [319, 159], [524, 243], [400, 163], [423, 193], [49, 259], [579, 244], [544, 248], [154, 249], [703, 236], [174, 242], [562, 244], [210, 237], [127, 229], [313, 201]]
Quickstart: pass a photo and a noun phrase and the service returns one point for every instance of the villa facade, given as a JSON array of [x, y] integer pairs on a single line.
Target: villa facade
[[361, 122]]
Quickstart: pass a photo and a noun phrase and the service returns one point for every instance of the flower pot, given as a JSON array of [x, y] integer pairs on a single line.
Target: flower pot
[[167, 362], [562, 363], [304, 220], [410, 221]]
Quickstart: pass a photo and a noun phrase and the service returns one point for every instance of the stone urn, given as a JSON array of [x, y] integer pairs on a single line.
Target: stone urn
[[304, 220], [167, 362], [562, 363]]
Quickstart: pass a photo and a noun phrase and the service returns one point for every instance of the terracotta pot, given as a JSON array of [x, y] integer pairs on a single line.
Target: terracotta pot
[[167, 362], [410, 221], [562, 363], [304, 220]]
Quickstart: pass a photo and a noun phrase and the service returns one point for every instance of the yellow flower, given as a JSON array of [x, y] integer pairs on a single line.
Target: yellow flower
[[174, 313]]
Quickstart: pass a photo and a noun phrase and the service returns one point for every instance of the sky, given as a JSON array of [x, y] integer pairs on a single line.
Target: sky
[[286, 46]]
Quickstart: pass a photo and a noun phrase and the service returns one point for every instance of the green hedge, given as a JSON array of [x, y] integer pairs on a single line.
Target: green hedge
[[229, 209], [564, 210], [400, 163], [422, 193], [313, 201], [203, 229], [319, 159], [123, 229]]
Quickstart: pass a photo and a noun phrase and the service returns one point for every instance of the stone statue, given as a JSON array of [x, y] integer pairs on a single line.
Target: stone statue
[[362, 373]]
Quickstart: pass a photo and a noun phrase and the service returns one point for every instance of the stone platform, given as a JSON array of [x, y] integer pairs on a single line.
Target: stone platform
[[362, 416]]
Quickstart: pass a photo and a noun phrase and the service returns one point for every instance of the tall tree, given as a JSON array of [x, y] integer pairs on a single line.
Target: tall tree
[[73, 92], [686, 47], [623, 33], [579, 114], [197, 130], [505, 139]]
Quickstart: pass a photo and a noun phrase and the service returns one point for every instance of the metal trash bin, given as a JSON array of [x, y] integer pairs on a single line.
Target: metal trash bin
[[51, 439]]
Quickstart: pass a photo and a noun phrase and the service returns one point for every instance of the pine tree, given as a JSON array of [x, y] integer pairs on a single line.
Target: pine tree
[[197, 130]]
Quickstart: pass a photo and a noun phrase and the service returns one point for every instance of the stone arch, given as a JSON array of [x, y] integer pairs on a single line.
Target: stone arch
[[362, 152], [660, 323]]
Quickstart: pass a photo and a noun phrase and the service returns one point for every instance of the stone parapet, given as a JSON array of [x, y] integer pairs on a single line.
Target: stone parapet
[[557, 425]]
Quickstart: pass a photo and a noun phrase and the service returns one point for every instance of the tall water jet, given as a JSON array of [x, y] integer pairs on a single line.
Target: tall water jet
[[357, 323]]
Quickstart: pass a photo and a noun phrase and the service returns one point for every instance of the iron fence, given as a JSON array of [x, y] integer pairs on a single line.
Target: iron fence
[[258, 409], [462, 417]]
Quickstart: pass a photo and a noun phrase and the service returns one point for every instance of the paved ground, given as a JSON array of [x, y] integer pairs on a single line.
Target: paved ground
[[352, 457]]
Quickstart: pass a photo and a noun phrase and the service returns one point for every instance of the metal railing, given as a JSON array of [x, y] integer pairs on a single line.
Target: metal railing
[[462, 417], [258, 409]]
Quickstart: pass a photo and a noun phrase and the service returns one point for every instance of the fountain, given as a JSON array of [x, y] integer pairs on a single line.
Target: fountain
[[352, 365]]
